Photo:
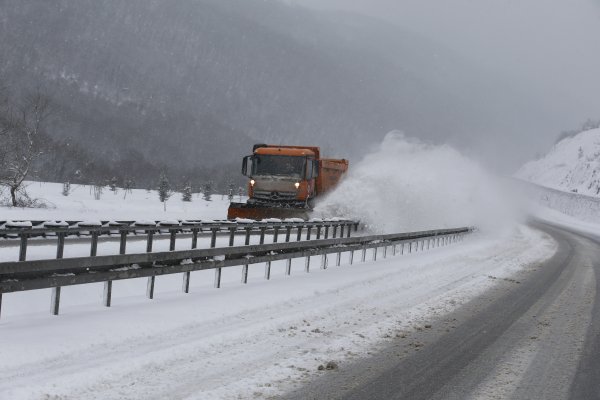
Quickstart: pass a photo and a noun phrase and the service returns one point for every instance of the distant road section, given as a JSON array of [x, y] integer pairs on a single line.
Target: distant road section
[[535, 338]]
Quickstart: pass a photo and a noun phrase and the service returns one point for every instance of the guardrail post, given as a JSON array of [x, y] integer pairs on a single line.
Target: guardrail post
[[308, 229], [186, 282], [213, 237], [385, 251], [288, 232], [217, 278], [107, 295], [349, 229], [423, 245], [342, 226], [402, 249], [268, 270], [324, 261], [307, 264], [375, 253], [299, 235], [194, 238], [123, 244], [55, 296], [364, 253], [245, 273], [275, 233], [60, 245], [338, 259], [23, 247], [94, 244], [288, 267], [410, 247], [335, 231], [394, 250], [232, 236], [173, 236], [55, 301], [149, 241], [356, 227], [326, 231], [263, 229], [247, 241], [351, 257], [318, 232], [218, 270], [150, 287]]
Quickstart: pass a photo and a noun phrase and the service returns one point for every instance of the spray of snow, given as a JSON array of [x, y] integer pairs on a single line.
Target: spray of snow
[[405, 184]]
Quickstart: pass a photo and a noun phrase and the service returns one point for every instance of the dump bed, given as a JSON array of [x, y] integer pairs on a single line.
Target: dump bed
[[330, 173]]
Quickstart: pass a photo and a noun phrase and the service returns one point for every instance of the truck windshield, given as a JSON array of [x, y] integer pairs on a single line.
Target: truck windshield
[[278, 165]]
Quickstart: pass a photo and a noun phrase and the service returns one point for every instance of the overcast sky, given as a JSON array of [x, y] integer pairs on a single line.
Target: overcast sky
[[550, 47]]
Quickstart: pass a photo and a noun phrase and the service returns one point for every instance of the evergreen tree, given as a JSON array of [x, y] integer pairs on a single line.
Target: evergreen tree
[[207, 190], [164, 189], [186, 194]]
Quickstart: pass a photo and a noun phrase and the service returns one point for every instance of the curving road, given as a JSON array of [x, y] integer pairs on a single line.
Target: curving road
[[538, 338]]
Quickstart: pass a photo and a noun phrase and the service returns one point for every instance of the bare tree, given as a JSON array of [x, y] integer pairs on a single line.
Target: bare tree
[[21, 130]]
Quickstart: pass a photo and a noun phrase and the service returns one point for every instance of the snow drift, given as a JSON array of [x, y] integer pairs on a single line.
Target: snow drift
[[406, 184]]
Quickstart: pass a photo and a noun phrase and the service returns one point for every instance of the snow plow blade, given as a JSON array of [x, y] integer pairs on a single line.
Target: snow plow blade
[[257, 212]]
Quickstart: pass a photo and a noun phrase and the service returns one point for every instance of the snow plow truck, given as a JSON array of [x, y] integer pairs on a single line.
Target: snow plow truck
[[285, 181]]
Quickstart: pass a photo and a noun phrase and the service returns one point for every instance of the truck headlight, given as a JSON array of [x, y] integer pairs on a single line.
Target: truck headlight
[[252, 182], [297, 184]]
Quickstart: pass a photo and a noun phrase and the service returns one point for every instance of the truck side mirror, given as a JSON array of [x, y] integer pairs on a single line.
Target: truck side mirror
[[245, 165], [315, 170]]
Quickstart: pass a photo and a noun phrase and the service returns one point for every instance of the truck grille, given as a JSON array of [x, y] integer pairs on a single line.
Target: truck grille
[[274, 196]]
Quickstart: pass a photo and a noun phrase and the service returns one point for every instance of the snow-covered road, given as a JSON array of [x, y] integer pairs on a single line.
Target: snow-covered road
[[243, 341]]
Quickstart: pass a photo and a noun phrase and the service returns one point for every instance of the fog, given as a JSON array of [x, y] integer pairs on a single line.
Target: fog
[[548, 49], [137, 87]]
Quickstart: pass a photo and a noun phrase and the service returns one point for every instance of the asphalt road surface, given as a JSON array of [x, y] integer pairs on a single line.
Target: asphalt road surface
[[536, 336]]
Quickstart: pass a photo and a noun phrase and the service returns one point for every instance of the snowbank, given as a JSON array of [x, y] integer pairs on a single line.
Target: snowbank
[[139, 204]]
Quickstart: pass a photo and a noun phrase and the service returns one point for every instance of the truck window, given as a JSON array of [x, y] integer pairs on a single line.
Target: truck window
[[278, 165], [309, 169]]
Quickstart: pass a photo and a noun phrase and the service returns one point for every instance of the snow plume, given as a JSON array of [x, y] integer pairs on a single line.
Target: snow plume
[[407, 185]]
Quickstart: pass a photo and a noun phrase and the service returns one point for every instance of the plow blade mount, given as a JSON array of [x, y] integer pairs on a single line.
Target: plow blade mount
[[257, 212]]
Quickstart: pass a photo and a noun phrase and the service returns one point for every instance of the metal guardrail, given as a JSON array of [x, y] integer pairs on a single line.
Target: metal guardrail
[[40, 274], [23, 231]]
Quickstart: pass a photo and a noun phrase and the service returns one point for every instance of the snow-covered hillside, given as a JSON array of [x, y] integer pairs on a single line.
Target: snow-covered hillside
[[572, 165]]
